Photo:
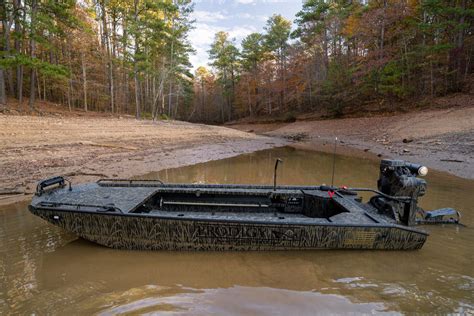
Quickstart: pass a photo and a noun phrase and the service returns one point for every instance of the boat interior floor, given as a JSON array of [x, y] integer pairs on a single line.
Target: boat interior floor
[[361, 218]]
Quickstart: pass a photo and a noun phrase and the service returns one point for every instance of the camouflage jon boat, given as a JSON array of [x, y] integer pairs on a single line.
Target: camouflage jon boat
[[151, 215]]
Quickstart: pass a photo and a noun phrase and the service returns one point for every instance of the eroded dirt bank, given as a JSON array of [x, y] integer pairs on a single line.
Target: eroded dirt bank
[[88, 148], [442, 139]]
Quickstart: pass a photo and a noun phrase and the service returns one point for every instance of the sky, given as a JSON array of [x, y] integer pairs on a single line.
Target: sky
[[237, 17]]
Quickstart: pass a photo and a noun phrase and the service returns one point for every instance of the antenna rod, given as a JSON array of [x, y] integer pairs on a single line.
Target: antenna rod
[[278, 160], [334, 162]]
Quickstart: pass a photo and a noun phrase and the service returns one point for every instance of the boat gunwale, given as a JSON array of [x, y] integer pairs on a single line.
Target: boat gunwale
[[122, 183]]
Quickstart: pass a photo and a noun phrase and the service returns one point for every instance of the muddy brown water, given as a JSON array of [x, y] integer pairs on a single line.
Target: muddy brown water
[[46, 270]]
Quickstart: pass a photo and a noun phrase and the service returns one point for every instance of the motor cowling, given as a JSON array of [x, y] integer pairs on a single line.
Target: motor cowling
[[399, 178]]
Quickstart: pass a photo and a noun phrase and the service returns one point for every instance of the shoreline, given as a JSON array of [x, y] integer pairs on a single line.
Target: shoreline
[[88, 151], [441, 139]]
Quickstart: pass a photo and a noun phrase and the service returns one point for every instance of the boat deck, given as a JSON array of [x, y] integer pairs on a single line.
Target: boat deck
[[97, 198], [90, 195], [127, 198]]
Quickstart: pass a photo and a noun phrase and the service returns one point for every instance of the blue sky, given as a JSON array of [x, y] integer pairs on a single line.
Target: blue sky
[[237, 17]]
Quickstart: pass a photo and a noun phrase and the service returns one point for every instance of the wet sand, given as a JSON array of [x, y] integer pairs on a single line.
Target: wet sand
[[88, 148], [442, 139]]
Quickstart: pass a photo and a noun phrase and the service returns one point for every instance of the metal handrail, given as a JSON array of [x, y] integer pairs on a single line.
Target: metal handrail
[[60, 181]]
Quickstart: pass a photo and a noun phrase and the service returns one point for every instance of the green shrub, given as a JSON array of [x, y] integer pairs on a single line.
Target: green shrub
[[289, 117]]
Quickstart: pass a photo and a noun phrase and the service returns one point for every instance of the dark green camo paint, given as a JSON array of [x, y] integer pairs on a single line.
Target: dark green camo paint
[[127, 231]]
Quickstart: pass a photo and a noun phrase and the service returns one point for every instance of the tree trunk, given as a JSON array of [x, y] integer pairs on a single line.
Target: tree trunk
[[69, 91], [38, 86], [177, 103], [34, 8], [326, 55], [137, 96], [203, 98], [153, 97], [147, 91], [170, 97], [142, 95], [112, 89], [249, 99], [256, 107], [19, 83], [382, 31], [232, 98], [106, 41], [6, 24], [114, 33], [3, 92], [19, 69], [162, 102], [170, 94], [69, 87], [460, 46], [431, 79], [135, 67], [157, 95], [44, 85], [310, 84], [283, 75], [125, 74], [84, 80], [3, 95]]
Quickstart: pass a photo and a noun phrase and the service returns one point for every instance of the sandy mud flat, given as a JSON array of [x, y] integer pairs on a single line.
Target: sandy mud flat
[[88, 148], [442, 139]]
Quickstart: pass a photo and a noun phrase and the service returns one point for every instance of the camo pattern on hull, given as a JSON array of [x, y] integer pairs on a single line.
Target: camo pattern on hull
[[149, 233]]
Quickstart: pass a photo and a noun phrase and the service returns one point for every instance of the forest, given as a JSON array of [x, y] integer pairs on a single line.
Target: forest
[[132, 57], [118, 56]]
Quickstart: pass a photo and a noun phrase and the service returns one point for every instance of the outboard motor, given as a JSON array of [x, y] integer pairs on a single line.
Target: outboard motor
[[398, 178]]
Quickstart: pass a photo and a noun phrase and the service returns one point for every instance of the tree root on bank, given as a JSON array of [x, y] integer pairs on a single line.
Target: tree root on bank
[[11, 192]]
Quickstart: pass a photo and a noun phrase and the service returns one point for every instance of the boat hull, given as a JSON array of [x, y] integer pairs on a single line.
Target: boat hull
[[141, 232]]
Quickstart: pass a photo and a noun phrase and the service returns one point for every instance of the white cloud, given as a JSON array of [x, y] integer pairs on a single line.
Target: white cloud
[[208, 16], [248, 16], [245, 1], [239, 32], [202, 16], [202, 36], [254, 2]]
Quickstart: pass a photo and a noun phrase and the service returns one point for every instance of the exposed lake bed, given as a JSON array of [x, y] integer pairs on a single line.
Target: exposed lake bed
[[44, 267], [35, 148], [442, 139]]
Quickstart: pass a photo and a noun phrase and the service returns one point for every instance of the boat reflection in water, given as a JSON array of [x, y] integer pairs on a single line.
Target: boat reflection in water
[[189, 281]]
